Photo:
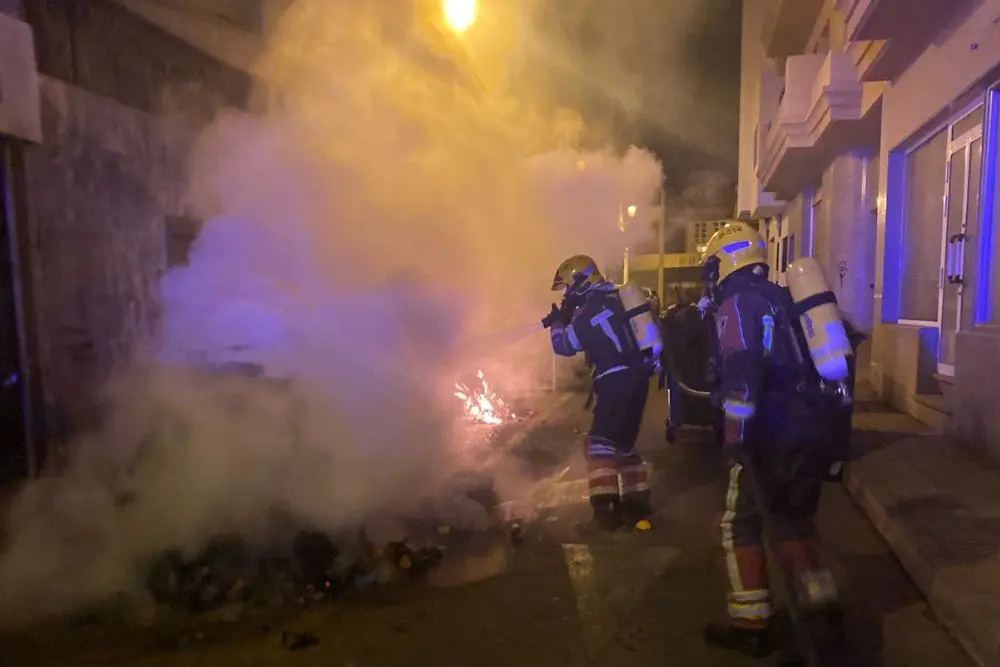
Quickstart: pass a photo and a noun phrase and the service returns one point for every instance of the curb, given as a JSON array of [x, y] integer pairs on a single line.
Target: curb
[[974, 631]]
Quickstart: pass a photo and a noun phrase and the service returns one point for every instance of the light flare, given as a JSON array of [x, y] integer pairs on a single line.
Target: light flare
[[482, 404], [459, 15]]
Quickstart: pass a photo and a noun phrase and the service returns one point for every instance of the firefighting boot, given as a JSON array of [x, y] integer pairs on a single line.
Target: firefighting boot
[[821, 608], [754, 642], [607, 516], [636, 510], [826, 624]]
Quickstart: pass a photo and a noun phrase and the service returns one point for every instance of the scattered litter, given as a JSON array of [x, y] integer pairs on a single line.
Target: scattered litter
[[226, 576]]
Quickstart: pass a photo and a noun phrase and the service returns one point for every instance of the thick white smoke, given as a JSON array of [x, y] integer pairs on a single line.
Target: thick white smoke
[[368, 234]]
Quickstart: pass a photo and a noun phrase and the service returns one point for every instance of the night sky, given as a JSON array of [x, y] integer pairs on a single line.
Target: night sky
[[666, 71]]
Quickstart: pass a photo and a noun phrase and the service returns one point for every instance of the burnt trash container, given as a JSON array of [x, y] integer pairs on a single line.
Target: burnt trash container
[[688, 356], [843, 421]]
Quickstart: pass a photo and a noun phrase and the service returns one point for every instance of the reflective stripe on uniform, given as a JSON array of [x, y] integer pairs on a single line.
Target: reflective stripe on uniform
[[597, 447], [613, 369], [753, 605], [635, 478], [758, 612], [738, 410], [768, 323], [732, 495], [573, 339], [602, 477]]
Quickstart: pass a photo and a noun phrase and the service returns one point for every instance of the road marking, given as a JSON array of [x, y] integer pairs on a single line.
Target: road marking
[[608, 581]]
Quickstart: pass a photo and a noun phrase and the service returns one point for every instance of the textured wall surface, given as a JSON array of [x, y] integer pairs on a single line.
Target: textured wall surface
[[12, 7], [99, 189], [106, 49]]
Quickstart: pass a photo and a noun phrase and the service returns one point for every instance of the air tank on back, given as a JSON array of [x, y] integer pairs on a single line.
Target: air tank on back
[[819, 315], [644, 326]]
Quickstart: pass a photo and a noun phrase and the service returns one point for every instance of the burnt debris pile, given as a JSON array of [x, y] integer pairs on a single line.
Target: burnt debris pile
[[313, 568], [310, 567]]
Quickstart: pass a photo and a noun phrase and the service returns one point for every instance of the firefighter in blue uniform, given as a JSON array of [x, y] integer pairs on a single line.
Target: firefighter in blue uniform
[[593, 320], [774, 421]]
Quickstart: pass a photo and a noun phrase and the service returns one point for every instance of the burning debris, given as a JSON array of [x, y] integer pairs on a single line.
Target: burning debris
[[482, 404]]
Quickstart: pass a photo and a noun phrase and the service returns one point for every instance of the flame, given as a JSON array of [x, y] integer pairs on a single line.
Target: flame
[[482, 404]]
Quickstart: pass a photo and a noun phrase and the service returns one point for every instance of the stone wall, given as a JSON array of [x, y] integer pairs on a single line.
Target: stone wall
[[122, 100], [98, 191]]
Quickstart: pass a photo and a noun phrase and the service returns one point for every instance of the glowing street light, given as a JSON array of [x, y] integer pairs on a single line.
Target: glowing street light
[[631, 211], [459, 15]]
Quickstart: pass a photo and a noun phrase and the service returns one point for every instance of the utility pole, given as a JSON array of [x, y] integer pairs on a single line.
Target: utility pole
[[661, 237]]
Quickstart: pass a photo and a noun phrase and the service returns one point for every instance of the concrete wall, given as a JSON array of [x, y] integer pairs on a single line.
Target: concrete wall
[[118, 123], [12, 7], [97, 192], [752, 59]]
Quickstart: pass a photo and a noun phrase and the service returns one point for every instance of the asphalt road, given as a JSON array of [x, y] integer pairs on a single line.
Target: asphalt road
[[630, 599]]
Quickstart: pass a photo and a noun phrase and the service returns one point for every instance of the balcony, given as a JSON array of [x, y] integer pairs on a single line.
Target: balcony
[[888, 19], [868, 59], [758, 206], [20, 114], [899, 29], [788, 26], [822, 113], [207, 28]]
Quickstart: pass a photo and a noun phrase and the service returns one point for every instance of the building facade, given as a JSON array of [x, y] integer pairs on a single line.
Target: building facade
[[868, 140], [99, 105]]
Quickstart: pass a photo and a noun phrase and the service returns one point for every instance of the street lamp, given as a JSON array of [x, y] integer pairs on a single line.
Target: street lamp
[[459, 15]]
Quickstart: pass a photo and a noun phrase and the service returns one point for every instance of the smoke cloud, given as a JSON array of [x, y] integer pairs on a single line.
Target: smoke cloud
[[380, 229]]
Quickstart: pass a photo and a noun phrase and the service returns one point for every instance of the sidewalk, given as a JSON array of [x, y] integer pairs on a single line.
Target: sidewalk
[[937, 504]]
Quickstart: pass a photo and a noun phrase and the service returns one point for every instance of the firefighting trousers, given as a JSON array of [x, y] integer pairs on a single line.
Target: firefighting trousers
[[610, 445], [792, 501]]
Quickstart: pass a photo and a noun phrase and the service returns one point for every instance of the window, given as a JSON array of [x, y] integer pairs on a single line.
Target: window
[[921, 230], [180, 235]]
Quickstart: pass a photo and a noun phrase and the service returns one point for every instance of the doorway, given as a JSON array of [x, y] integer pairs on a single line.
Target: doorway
[[963, 176], [14, 459]]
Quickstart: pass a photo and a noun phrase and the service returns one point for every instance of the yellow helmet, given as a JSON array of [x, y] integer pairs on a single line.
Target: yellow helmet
[[735, 246], [577, 275]]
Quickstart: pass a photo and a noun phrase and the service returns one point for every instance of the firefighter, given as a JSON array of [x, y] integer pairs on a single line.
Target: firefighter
[[776, 427], [593, 320]]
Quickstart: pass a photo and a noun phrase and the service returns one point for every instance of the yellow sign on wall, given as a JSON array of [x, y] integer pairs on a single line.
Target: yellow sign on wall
[[671, 260]]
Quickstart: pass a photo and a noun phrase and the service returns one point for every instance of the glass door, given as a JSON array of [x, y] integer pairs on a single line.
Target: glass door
[[961, 214]]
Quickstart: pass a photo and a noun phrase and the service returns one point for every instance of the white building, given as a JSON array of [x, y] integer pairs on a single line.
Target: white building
[[868, 133]]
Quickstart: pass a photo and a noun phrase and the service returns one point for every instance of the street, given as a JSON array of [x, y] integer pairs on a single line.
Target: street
[[628, 599]]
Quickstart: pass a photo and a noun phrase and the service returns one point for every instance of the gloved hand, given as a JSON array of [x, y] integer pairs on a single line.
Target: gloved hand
[[555, 316], [704, 303]]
